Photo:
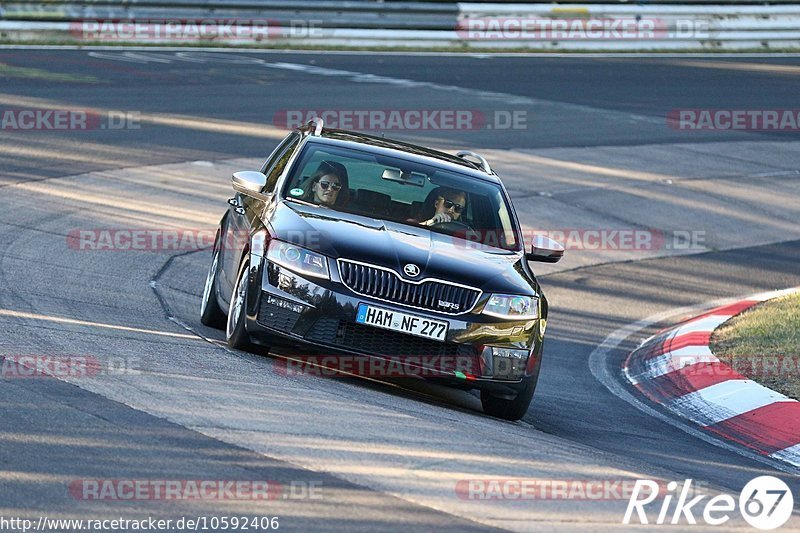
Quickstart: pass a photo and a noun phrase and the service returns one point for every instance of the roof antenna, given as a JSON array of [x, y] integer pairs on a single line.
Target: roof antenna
[[313, 126]]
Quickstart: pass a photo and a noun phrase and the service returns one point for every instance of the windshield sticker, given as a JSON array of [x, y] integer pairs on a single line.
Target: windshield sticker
[[296, 192]]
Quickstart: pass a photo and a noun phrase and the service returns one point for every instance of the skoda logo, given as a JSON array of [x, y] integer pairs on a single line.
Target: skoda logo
[[411, 270]]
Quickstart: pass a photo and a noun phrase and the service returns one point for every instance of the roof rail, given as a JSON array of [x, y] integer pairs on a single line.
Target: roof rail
[[313, 127], [484, 164]]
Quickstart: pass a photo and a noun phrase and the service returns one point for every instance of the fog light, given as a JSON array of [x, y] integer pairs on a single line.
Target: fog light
[[509, 363], [510, 353], [284, 304]]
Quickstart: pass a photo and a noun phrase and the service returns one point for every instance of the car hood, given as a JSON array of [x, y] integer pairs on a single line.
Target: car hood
[[394, 245]]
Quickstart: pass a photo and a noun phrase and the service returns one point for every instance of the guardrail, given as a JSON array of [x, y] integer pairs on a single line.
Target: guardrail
[[368, 23], [348, 14], [655, 27]]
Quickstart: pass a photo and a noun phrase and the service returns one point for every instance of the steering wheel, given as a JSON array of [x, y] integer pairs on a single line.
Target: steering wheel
[[452, 226]]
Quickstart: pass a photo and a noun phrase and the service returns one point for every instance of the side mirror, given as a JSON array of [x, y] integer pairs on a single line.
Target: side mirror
[[545, 249], [250, 183]]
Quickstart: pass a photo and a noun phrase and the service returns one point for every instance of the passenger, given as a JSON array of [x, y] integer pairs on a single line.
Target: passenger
[[328, 186], [448, 206]]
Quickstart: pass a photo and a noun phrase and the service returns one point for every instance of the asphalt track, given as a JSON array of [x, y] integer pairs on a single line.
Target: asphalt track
[[386, 455]]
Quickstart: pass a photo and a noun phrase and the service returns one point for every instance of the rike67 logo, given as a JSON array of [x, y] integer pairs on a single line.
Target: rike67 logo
[[765, 503]]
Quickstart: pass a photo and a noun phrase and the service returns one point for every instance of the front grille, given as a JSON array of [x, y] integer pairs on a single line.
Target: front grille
[[324, 331], [378, 341], [388, 286]]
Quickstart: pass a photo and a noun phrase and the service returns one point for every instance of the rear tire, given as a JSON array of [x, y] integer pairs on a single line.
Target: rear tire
[[509, 409], [235, 331], [211, 314]]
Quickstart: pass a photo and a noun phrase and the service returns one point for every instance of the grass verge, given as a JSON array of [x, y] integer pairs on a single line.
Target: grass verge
[[763, 343]]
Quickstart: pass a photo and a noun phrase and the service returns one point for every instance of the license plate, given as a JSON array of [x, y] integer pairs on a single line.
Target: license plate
[[403, 322]]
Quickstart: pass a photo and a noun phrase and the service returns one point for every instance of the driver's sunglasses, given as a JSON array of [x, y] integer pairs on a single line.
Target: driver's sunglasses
[[452, 205], [326, 184]]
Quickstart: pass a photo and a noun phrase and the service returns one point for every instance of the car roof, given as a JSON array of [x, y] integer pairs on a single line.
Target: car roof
[[395, 148]]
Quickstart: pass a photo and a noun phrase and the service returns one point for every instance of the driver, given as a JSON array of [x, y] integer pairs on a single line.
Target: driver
[[328, 185], [449, 205]]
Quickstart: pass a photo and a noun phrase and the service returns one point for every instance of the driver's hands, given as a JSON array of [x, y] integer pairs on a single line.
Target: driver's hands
[[439, 218]]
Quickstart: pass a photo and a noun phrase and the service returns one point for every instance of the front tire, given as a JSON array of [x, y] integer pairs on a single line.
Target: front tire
[[211, 313], [235, 331], [509, 409]]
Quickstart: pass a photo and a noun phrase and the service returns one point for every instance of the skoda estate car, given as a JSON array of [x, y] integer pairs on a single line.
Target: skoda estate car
[[355, 245]]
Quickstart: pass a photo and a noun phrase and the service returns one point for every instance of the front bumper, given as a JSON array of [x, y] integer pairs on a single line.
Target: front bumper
[[319, 315]]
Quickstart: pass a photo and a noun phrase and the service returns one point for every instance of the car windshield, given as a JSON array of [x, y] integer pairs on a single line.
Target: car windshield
[[398, 190]]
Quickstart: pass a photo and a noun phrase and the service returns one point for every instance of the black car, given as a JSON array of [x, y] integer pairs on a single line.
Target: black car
[[360, 246]]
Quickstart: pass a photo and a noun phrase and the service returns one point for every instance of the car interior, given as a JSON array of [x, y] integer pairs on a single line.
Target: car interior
[[386, 190]]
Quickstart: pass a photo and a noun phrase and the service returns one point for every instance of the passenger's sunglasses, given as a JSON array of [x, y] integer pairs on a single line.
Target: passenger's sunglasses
[[452, 205], [326, 184]]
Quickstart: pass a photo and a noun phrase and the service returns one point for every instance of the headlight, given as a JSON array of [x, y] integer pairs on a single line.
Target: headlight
[[298, 259], [512, 307]]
